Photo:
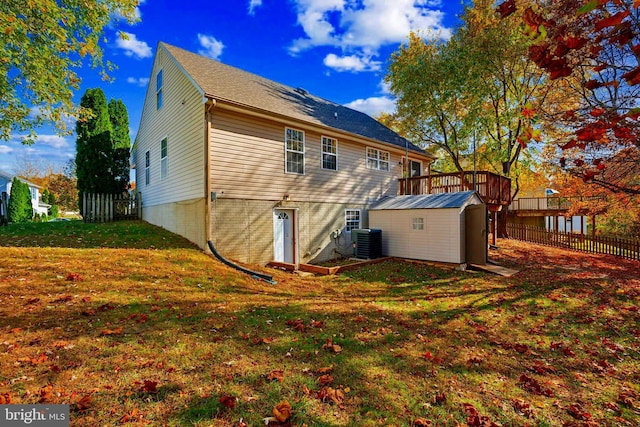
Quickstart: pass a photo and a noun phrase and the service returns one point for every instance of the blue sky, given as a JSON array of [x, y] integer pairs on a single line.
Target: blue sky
[[335, 49]]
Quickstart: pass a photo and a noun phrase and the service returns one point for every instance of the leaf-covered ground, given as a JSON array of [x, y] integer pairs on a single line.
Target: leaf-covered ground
[[131, 325]]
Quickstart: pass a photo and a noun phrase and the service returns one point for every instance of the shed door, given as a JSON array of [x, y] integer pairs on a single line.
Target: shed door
[[283, 236], [476, 234]]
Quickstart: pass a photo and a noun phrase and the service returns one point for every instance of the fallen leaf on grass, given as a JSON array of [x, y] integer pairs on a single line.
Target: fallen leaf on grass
[[131, 416], [325, 379], [45, 394], [331, 346], [523, 408], [439, 398], [325, 370], [282, 411], [32, 301], [84, 403], [474, 419], [532, 385], [577, 412], [328, 394], [5, 399], [420, 422], [276, 375], [116, 331], [150, 386], [74, 277], [227, 401], [65, 298]]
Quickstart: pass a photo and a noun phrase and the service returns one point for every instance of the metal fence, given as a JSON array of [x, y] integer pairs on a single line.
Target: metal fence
[[617, 246], [110, 207]]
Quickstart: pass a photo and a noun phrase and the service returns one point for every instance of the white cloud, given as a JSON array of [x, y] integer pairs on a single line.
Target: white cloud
[[54, 141], [211, 47], [134, 47], [363, 26], [5, 149], [374, 105], [352, 63], [253, 4], [138, 81]]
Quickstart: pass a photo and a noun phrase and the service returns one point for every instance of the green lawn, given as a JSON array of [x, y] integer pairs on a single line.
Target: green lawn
[[130, 324]]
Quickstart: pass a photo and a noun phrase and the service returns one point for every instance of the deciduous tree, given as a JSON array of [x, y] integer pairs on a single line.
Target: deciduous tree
[[596, 42], [43, 44]]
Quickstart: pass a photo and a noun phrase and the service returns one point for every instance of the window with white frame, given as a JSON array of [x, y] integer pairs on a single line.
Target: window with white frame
[[294, 148], [352, 219], [159, 90], [418, 223], [163, 159], [147, 168], [329, 153], [377, 159]]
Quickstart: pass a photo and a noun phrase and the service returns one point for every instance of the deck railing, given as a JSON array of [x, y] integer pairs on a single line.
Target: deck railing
[[552, 203], [492, 188]]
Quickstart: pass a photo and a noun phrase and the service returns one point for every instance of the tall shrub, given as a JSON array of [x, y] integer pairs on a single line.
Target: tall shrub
[[19, 209]]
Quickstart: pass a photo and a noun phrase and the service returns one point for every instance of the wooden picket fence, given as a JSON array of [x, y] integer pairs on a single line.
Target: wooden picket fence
[[110, 207], [617, 246]]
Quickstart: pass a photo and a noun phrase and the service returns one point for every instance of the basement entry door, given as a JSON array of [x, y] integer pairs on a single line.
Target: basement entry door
[[283, 236]]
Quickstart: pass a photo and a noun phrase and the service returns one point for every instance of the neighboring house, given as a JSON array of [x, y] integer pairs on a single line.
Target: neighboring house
[[38, 206], [264, 171]]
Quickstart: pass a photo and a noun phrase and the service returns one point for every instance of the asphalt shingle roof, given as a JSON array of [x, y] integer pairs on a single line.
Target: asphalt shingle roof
[[226, 83], [427, 201]]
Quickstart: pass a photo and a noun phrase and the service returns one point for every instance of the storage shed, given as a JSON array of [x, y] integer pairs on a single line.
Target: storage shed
[[448, 227]]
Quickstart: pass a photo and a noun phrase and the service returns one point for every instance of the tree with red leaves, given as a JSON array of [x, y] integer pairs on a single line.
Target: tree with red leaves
[[595, 43]]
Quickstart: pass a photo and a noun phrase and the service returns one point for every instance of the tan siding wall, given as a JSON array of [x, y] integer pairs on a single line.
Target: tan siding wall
[[185, 218], [248, 162], [439, 241], [242, 230], [181, 121]]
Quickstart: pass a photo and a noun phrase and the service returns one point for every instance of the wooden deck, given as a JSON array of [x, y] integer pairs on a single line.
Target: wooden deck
[[495, 190], [547, 206]]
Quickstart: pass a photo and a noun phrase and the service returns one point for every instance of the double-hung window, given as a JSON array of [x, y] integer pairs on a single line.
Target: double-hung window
[[159, 90], [329, 153], [163, 159], [352, 219], [294, 148], [147, 168], [377, 159]]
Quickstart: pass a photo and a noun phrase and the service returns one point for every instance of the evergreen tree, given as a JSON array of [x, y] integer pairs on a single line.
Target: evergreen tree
[[121, 143], [19, 209]]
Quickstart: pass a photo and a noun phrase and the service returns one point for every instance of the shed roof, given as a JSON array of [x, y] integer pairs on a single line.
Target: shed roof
[[426, 201], [226, 83]]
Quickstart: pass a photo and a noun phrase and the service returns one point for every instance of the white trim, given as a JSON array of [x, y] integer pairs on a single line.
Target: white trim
[[287, 150], [377, 159], [322, 152], [164, 168], [346, 220]]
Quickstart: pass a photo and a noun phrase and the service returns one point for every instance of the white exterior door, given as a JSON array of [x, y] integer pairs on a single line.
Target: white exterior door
[[283, 242]]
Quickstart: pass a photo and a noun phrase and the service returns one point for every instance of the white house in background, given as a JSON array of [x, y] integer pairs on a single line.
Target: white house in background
[[38, 206], [264, 171]]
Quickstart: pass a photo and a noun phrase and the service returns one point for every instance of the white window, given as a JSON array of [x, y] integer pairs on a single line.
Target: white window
[[352, 219], [163, 159], [377, 159], [159, 90], [329, 153], [418, 223], [294, 151], [147, 168]]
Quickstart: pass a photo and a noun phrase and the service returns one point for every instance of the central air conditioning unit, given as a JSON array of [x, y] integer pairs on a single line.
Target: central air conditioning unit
[[367, 243]]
